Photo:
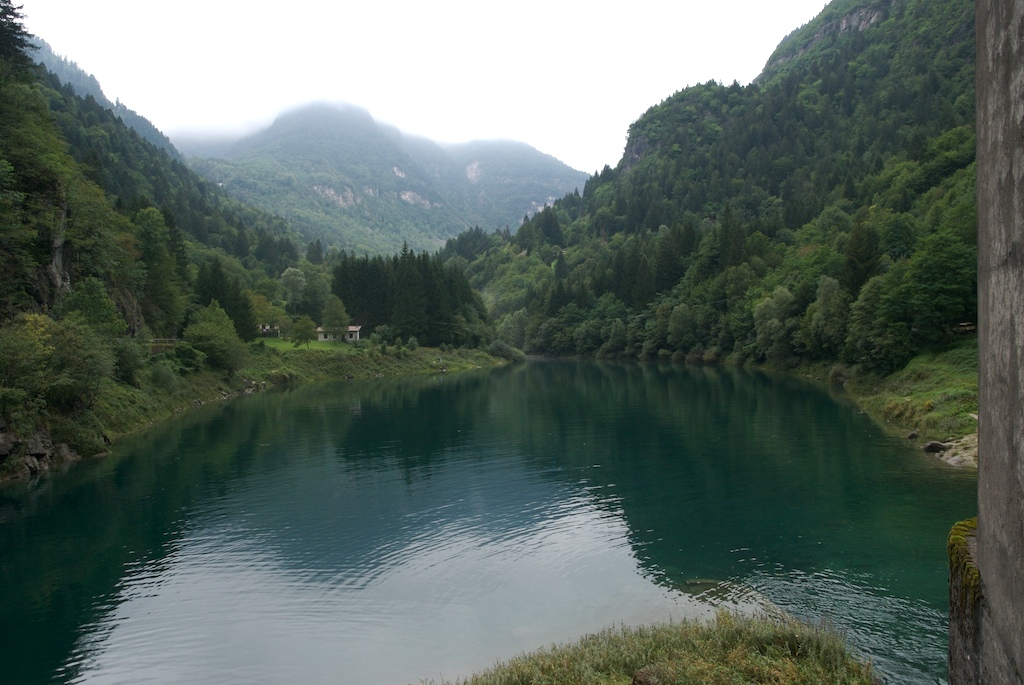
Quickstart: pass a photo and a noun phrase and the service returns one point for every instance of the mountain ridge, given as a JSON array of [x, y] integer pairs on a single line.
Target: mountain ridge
[[333, 193], [87, 85], [338, 175]]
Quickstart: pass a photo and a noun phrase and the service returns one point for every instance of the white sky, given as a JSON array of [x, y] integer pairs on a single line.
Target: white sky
[[565, 76]]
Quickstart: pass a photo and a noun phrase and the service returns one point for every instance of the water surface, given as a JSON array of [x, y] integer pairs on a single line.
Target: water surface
[[394, 530]]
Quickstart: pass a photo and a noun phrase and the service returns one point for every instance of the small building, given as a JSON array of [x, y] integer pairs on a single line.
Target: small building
[[351, 335], [326, 336]]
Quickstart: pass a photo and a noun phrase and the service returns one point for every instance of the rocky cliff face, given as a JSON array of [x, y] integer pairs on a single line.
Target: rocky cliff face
[[858, 19]]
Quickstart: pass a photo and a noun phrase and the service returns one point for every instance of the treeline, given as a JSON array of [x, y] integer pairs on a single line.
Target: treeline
[[412, 296], [826, 211]]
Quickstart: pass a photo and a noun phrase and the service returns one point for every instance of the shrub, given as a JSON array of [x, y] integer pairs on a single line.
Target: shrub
[[502, 350], [83, 433], [163, 375], [130, 357], [187, 358], [837, 375], [213, 334]]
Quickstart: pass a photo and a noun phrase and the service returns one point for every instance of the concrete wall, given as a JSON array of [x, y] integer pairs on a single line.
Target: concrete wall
[[1000, 534]]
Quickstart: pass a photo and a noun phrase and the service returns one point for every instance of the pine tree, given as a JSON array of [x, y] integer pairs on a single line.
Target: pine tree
[[163, 301], [15, 41], [861, 257], [409, 311], [335, 317], [315, 252]]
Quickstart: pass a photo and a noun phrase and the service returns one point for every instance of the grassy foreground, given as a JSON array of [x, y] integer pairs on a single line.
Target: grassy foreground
[[731, 650]]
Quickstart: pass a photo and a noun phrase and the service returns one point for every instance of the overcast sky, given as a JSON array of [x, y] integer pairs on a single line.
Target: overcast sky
[[565, 76]]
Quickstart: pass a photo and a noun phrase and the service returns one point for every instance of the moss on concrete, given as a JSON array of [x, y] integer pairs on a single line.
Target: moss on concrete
[[965, 599]]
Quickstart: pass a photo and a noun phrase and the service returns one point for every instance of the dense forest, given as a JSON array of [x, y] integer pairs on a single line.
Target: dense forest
[[824, 212], [110, 241]]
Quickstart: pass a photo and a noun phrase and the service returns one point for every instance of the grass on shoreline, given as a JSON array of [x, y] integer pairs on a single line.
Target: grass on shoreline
[[731, 650], [121, 409], [935, 394]]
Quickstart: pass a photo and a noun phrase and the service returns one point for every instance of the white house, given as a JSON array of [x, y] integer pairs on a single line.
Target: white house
[[328, 336], [325, 336]]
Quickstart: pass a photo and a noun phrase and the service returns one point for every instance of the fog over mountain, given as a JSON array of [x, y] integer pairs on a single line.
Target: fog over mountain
[[338, 175]]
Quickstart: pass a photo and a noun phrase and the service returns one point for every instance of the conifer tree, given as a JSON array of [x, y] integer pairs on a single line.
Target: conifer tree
[[15, 41], [335, 317]]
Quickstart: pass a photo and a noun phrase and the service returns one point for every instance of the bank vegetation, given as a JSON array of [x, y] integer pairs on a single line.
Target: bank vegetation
[[731, 650]]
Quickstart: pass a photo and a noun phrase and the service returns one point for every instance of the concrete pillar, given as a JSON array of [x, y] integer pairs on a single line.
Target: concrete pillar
[[1000, 166]]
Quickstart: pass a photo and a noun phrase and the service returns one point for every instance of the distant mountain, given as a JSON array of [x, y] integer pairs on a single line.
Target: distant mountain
[[338, 175], [86, 85], [505, 175]]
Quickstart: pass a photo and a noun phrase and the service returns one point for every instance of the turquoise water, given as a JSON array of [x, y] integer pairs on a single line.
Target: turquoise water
[[399, 530]]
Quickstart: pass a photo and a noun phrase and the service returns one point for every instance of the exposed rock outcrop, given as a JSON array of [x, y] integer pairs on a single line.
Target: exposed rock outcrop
[[25, 457]]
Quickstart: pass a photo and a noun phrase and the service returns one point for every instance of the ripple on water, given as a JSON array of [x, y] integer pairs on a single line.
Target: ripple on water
[[484, 572], [291, 539], [905, 640]]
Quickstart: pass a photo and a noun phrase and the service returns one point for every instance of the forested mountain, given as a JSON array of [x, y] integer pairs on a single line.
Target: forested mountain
[[86, 85], [339, 176], [825, 211], [108, 241]]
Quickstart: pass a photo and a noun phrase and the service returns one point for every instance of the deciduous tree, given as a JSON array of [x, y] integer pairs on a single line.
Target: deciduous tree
[[303, 331], [213, 333]]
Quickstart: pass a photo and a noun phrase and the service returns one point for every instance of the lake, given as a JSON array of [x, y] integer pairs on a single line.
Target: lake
[[388, 531]]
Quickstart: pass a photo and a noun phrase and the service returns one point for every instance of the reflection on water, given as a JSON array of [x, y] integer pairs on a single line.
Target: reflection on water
[[397, 530]]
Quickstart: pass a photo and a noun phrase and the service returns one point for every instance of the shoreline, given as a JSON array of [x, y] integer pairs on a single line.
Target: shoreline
[[122, 411], [932, 402]]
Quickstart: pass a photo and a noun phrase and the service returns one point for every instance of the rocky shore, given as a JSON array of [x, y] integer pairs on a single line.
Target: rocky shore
[[958, 452], [35, 454], [38, 454], [961, 453]]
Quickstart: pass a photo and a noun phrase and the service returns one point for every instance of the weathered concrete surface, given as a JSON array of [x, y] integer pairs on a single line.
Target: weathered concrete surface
[[1000, 538]]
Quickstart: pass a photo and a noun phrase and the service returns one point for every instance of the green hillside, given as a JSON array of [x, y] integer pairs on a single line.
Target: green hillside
[[339, 176], [86, 85], [130, 285], [824, 212]]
